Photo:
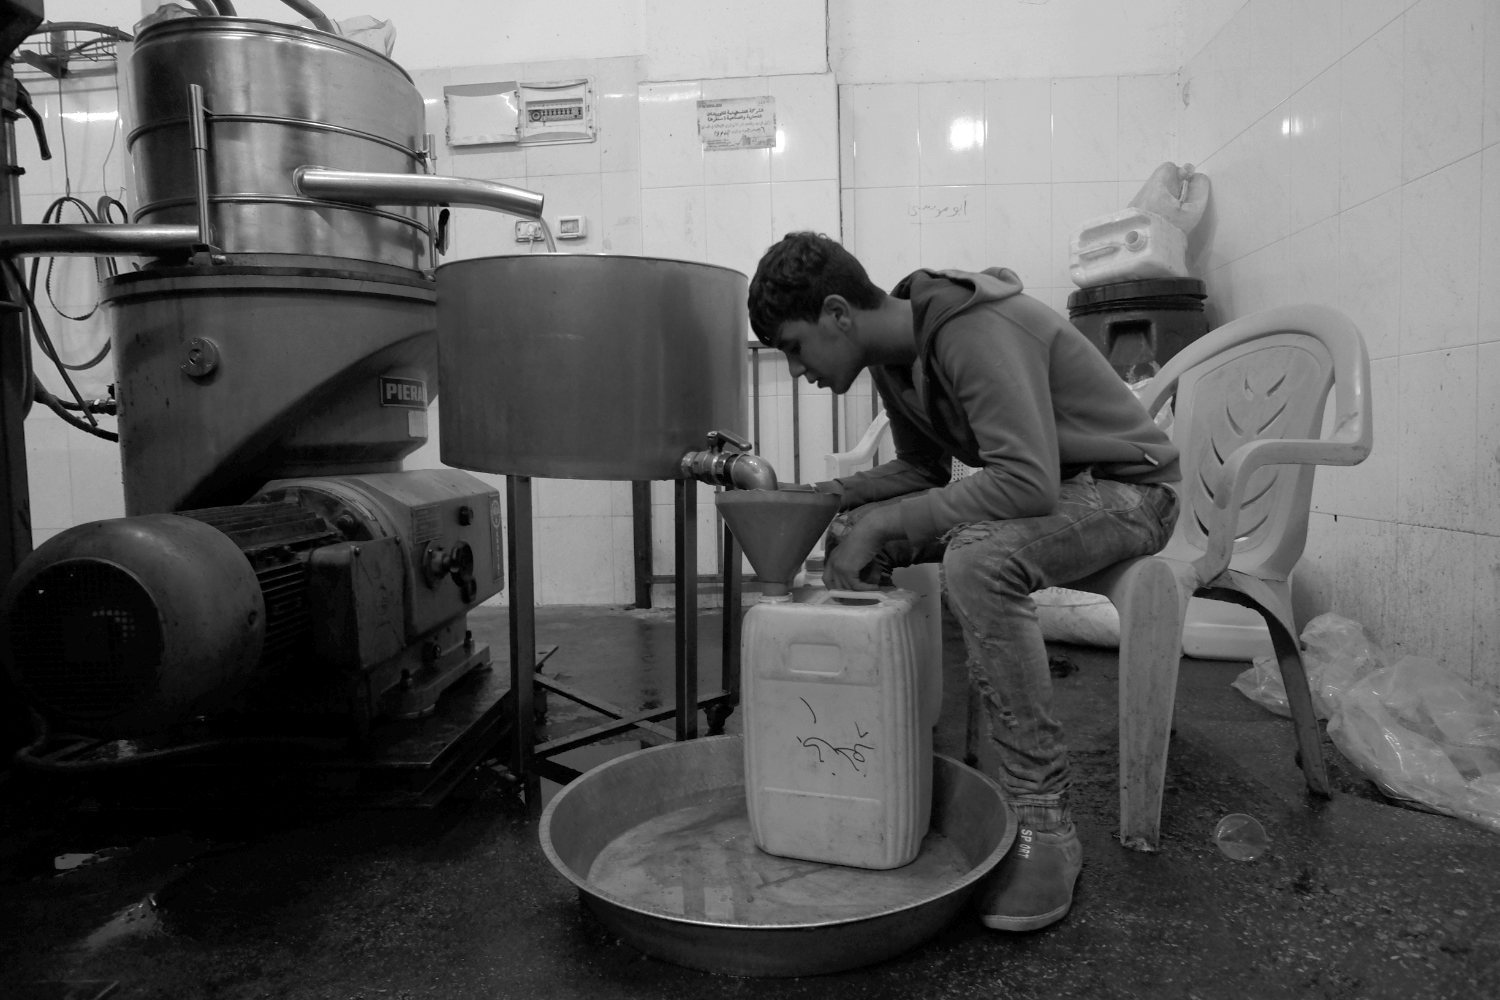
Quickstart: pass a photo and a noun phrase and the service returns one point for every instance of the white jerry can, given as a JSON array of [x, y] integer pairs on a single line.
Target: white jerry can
[[838, 723]]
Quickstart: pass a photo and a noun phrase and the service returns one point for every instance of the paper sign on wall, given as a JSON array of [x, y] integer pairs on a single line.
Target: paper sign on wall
[[738, 123]]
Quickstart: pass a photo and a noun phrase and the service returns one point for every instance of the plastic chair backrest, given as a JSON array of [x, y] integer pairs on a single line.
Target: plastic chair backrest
[[1264, 377], [1271, 388]]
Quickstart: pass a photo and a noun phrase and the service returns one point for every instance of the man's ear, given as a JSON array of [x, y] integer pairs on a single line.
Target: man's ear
[[837, 309]]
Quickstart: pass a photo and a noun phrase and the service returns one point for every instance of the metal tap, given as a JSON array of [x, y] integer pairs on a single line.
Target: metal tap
[[728, 461]]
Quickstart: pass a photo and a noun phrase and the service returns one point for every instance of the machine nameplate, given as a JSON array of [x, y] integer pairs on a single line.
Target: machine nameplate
[[407, 392], [495, 560], [426, 523]]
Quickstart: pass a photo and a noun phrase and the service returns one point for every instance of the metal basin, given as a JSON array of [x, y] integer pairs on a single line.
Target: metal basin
[[577, 366], [658, 843]]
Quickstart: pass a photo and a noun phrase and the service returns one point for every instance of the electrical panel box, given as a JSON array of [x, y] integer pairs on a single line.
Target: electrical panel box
[[572, 227], [561, 111], [482, 114]]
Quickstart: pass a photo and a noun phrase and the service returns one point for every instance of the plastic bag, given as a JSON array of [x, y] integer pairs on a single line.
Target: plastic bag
[[1336, 654], [370, 32], [166, 12], [1262, 684], [1426, 737], [1175, 193]]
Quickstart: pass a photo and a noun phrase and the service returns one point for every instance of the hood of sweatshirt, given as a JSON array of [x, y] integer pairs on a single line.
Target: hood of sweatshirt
[[938, 295]]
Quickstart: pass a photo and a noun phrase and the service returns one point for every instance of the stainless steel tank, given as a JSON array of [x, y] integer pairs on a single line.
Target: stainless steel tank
[[278, 97], [574, 366], [232, 376]]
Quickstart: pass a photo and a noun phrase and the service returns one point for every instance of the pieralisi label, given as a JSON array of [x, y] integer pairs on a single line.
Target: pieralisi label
[[410, 393]]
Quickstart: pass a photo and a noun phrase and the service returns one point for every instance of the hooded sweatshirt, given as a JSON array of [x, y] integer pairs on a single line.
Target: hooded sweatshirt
[[1003, 383]]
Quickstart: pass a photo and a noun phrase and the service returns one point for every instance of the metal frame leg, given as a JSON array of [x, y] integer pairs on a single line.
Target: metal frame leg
[[521, 564], [729, 677], [640, 515], [686, 551]]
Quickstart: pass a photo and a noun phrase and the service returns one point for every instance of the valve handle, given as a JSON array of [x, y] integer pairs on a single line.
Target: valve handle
[[727, 439]]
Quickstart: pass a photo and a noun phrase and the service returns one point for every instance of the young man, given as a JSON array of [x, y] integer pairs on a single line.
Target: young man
[[1071, 480]]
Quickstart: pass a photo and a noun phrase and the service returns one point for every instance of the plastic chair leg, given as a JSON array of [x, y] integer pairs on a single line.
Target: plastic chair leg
[[1299, 697], [1151, 606], [1268, 598]]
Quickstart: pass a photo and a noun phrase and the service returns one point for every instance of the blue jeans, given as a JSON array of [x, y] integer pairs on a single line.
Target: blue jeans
[[990, 570]]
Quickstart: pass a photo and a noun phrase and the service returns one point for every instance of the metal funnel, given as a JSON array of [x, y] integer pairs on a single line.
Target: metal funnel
[[777, 529]]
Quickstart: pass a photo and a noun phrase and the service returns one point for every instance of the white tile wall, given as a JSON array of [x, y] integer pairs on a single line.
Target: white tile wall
[[1050, 155], [73, 477], [1379, 139]]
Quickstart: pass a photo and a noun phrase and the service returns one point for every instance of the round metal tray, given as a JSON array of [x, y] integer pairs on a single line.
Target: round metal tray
[[658, 843]]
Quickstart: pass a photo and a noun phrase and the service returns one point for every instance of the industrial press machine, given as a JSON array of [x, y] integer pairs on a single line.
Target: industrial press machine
[[278, 578]]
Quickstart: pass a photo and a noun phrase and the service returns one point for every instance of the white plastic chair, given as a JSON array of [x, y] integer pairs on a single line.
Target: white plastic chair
[[1250, 398]]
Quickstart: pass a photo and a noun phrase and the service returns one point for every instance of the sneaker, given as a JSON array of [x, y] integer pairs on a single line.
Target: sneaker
[[1033, 884]]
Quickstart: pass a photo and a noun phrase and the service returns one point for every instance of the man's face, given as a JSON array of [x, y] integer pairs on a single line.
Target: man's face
[[821, 351]]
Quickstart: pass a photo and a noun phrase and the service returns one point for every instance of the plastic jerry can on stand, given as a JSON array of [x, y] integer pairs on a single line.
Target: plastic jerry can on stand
[[1128, 245], [838, 727]]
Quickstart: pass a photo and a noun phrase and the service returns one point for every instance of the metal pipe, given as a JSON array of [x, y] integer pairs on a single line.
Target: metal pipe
[[198, 128], [685, 530], [205, 7], [57, 240], [226, 8], [370, 188], [522, 582], [320, 20], [796, 434]]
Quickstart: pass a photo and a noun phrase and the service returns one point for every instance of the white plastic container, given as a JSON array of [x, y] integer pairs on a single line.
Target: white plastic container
[[1126, 246], [838, 727]]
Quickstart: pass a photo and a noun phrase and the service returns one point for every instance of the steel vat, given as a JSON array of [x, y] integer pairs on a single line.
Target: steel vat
[[279, 97], [574, 366]]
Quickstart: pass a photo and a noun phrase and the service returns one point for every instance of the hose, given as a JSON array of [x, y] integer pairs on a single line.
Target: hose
[[46, 343], [57, 406], [320, 20]]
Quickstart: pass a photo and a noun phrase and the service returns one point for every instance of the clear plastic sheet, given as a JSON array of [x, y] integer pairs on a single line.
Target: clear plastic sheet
[[1426, 736], [1262, 685]]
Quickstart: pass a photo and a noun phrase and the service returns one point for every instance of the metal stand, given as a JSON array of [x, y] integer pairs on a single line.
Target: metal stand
[[530, 761]]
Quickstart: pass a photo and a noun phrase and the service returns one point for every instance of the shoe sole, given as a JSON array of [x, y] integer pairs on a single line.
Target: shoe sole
[[1036, 923]]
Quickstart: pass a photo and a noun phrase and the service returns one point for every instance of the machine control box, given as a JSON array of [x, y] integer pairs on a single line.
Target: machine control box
[[448, 524], [445, 526]]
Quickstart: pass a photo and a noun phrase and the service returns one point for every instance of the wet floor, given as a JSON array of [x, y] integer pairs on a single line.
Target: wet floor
[[1355, 898]]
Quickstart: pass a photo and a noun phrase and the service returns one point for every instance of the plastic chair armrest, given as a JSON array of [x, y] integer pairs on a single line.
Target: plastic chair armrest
[[1349, 445]]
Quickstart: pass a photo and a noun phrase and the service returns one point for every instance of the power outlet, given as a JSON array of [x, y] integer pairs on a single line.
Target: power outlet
[[529, 231]]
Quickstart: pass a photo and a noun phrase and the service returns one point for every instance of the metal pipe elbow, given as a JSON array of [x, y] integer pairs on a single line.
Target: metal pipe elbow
[[751, 472], [736, 470]]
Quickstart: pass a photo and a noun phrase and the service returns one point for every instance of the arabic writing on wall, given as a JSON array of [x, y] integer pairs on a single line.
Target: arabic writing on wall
[[738, 123], [932, 211]]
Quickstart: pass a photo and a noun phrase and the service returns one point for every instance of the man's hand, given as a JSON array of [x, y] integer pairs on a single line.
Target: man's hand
[[860, 546]]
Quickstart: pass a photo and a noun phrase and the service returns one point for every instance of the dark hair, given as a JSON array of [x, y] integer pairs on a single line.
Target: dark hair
[[797, 274]]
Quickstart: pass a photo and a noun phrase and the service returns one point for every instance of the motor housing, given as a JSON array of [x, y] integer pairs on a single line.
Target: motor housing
[[123, 626], [340, 597]]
